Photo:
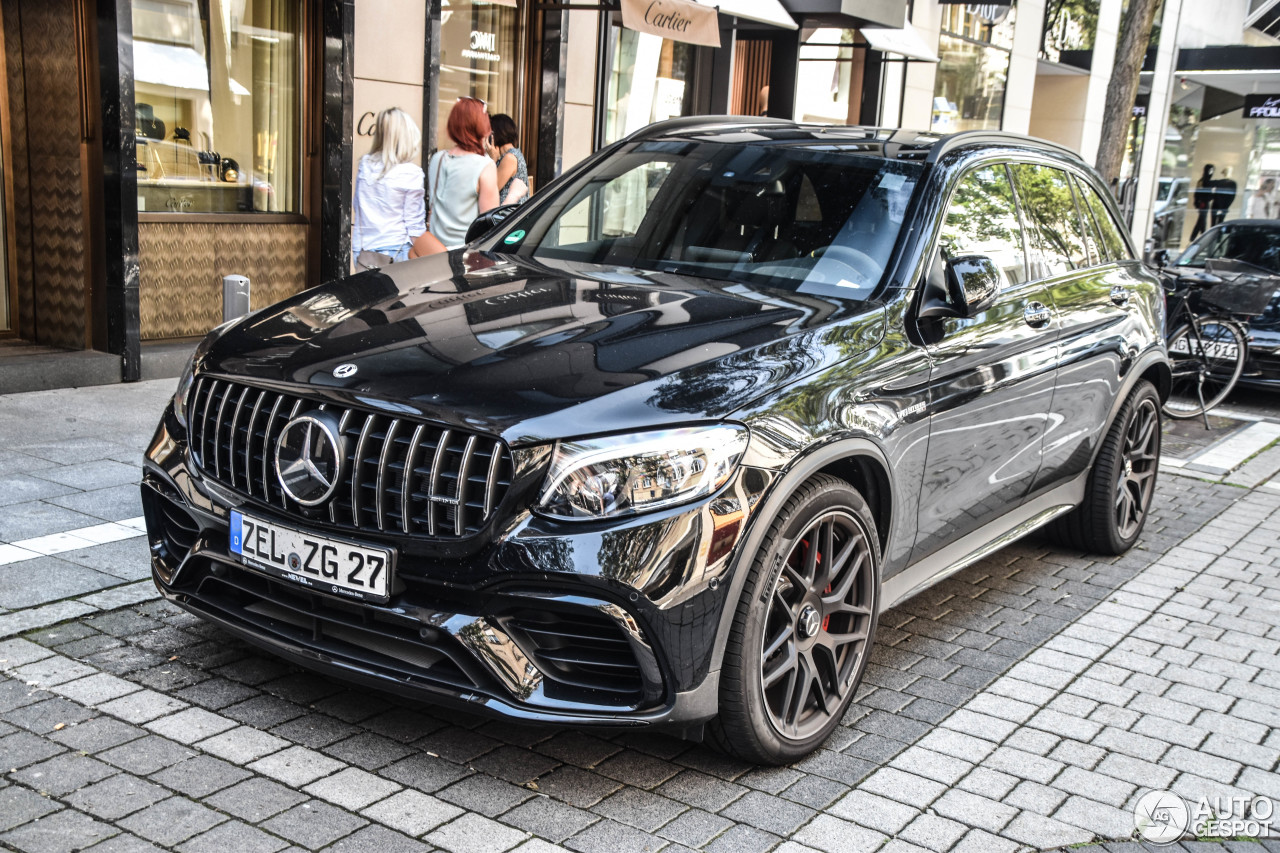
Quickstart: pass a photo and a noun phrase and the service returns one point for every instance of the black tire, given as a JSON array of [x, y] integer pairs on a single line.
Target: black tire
[[1204, 365], [1122, 483], [815, 670]]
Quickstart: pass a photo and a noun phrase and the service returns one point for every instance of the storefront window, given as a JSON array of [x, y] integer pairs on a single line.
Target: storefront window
[[1217, 165], [648, 82], [217, 106], [1069, 25], [829, 85], [477, 59], [974, 68]]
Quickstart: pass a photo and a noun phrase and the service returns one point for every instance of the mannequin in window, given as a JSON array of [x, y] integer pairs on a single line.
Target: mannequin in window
[[1203, 200], [1224, 194]]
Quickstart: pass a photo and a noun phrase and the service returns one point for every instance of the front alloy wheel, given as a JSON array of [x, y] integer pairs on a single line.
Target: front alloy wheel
[[817, 624], [803, 628]]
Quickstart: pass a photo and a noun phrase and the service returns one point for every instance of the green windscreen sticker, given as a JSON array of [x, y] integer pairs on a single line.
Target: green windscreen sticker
[[514, 237]]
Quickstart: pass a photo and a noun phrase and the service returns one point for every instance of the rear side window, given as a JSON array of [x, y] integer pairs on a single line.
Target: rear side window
[[1097, 254], [982, 219], [1116, 248], [1056, 243]]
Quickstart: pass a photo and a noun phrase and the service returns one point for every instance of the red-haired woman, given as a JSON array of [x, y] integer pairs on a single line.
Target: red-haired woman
[[463, 180]]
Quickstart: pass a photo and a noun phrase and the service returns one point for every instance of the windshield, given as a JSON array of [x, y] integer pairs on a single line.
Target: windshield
[[1252, 244], [811, 218]]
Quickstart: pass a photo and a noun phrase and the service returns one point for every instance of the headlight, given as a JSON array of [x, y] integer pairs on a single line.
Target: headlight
[[187, 379], [628, 474]]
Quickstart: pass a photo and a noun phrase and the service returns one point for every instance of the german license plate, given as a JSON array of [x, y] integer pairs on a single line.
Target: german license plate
[[322, 563], [1213, 349]]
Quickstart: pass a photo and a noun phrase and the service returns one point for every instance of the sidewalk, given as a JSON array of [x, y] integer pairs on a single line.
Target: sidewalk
[[1027, 703]]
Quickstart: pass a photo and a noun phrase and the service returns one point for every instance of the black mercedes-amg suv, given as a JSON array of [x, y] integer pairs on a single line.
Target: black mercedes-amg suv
[[660, 447]]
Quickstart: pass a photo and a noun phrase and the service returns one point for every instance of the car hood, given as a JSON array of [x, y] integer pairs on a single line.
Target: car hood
[[539, 351]]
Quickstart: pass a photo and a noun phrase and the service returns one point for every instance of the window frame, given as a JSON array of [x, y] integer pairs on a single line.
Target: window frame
[[310, 111]]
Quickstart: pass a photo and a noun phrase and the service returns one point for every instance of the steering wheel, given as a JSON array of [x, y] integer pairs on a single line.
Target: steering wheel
[[860, 262]]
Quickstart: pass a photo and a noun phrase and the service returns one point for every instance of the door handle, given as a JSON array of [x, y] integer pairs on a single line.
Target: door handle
[[1120, 294], [1036, 315]]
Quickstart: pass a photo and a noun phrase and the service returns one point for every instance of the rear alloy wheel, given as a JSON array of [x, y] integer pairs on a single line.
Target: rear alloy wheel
[[804, 627], [1123, 481]]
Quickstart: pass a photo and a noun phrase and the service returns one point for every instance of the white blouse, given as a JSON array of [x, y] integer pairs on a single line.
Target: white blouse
[[389, 210]]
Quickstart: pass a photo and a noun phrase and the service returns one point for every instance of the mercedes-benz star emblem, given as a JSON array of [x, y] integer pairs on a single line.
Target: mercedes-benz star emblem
[[809, 621], [342, 371], [310, 458]]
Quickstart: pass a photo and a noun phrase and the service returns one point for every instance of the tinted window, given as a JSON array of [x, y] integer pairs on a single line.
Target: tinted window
[[1056, 240], [1097, 254], [982, 219], [1115, 245], [804, 218]]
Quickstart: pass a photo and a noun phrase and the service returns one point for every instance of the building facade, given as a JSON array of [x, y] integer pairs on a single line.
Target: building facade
[[150, 147]]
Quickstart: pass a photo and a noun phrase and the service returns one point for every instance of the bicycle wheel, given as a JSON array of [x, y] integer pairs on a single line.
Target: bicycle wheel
[[1206, 357]]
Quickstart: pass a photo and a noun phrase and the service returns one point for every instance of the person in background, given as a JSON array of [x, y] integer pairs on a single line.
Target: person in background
[[1202, 200], [1265, 202], [463, 181], [389, 210], [1224, 195], [513, 171]]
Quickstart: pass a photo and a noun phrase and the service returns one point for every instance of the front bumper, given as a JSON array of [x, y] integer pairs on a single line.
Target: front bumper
[[541, 621]]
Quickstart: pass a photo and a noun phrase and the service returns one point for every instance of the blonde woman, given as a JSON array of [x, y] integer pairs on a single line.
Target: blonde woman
[[390, 208]]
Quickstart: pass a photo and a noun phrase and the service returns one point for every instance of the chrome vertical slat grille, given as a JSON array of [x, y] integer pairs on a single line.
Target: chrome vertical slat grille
[[405, 476]]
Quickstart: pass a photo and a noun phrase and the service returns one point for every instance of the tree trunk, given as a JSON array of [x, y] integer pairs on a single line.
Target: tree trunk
[[1122, 91]]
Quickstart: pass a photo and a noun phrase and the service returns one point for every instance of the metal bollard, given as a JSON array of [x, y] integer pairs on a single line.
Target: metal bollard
[[235, 297]]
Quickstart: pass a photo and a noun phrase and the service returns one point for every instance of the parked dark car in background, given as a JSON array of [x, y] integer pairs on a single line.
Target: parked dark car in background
[[1255, 242], [661, 447]]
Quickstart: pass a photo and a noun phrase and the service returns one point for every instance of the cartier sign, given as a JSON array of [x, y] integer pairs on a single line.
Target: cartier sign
[[679, 20]]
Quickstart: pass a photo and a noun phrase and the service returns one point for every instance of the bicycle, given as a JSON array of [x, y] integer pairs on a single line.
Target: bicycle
[[1207, 345]]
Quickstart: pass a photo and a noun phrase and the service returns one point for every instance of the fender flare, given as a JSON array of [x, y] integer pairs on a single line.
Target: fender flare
[[1151, 357], [779, 493]]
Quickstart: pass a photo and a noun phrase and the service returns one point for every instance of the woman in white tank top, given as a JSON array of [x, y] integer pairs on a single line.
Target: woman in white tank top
[[463, 180]]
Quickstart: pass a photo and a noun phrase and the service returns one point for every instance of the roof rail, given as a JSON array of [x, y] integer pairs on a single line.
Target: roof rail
[[966, 138], [673, 125]]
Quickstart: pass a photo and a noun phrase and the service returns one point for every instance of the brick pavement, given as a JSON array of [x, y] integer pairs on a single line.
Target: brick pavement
[[1024, 704]]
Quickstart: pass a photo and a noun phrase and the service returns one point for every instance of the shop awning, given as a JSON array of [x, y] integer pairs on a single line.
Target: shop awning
[[762, 11], [904, 42]]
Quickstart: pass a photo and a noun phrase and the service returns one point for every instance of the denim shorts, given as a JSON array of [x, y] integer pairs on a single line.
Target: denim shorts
[[397, 253]]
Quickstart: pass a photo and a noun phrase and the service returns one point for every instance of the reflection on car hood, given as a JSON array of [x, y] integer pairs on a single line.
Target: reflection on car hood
[[538, 352]]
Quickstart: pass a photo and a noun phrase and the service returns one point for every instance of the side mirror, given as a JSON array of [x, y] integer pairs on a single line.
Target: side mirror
[[489, 220], [1161, 258], [974, 282]]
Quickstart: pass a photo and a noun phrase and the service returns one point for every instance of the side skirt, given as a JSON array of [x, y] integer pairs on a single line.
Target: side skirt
[[966, 551]]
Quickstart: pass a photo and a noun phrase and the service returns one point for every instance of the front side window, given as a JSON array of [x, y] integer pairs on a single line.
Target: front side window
[[982, 219], [217, 105], [795, 217], [1056, 239]]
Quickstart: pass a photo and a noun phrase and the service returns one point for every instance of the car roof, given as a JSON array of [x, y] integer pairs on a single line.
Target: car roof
[[894, 143]]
